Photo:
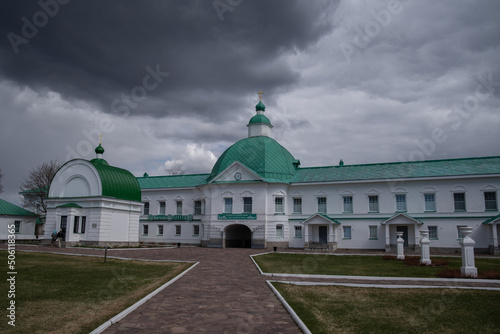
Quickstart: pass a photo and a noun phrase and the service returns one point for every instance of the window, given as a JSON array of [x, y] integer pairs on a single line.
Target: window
[[298, 231], [161, 211], [84, 222], [347, 232], [322, 204], [145, 229], [177, 230], [490, 200], [76, 224], [459, 233], [178, 206], [17, 226], [347, 204], [429, 202], [146, 208], [401, 202], [297, 205], [64, 222], [228, 205], [247, 204], [459, 200], [279, 231], [196, 230], [197, 208], [278, 205], [373, 203], [433, 232], [373, 232], [160, 230]]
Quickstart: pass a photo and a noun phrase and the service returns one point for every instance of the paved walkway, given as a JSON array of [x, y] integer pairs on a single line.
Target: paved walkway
[[224, 293]]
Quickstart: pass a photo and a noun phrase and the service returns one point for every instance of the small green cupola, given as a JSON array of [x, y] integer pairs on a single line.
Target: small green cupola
[[259, 125]]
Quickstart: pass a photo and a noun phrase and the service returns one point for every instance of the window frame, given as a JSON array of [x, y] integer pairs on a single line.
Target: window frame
[[322, 202], [279, 208], [429, 206], [247, 204], [178, 230], [178, 207], [17, 227], [457, 203], [160, 230], [280, 231], [373, 207], [83, 225], [373, 230], [228, 204], [162, 208], [145, 209], [433, 232], [401, 206], [346, 206], [488, 202], [198, 205], [196, 230], [145, 230], [344, 229], [76, 224], [297, 203], [297, 228]]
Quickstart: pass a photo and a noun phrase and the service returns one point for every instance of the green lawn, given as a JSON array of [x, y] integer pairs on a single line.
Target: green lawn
[[72, 294], [335, 309], [357, 265]]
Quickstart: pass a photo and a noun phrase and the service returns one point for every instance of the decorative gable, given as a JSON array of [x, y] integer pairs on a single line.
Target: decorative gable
[[237, 172]]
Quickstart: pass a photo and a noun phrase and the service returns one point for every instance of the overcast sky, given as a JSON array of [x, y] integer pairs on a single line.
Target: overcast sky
[[176, 81]]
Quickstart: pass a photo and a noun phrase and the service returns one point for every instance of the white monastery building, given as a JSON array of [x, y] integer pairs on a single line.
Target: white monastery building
[[257, 195]]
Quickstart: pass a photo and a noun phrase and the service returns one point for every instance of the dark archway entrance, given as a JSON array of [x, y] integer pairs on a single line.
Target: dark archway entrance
[[238, 236]]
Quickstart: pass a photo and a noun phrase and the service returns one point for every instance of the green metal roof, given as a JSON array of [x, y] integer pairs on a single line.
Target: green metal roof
[[116, 182], [492, 219], [10, 209], [397, 170], [172, 181], [381, 171], [259, 119], [261, 154]]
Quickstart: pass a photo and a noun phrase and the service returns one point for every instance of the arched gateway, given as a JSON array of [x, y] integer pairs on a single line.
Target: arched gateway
[[238, 236]]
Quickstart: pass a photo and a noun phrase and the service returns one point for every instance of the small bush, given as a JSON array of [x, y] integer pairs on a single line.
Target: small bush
[[449, 273], [412, 261], [389, 257], [489, 274]]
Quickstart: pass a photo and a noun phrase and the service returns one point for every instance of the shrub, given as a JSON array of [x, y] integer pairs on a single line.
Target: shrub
[[389, 257]]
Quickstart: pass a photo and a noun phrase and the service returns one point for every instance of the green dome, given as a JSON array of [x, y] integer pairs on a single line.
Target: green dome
[[263, 155], [99, 149], [117, 182], [259, 119], [260, 106]]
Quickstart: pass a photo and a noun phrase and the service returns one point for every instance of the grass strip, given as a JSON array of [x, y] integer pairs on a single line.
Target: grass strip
[[357, 265], [336, 309], [72, 294]]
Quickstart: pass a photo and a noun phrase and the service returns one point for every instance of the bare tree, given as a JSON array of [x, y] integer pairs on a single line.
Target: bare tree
[[1, 178], [35, 188], [176, 169]]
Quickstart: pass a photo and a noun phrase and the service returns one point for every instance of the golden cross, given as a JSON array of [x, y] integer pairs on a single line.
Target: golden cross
[[260, 95], [100, 138]]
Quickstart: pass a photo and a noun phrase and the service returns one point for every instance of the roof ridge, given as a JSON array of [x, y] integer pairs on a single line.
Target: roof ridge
[[400, 162], [159, 176]]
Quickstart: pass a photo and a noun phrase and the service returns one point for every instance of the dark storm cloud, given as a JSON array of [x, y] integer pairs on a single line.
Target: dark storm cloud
[[99, 50]]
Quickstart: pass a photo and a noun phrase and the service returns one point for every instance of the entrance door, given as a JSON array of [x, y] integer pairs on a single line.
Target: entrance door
[[323, 235], [238, 236], [403, 229]]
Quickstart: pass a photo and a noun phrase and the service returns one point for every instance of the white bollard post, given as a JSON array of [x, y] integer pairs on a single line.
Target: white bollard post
[[468, 265], [400, 241], [425, 255]]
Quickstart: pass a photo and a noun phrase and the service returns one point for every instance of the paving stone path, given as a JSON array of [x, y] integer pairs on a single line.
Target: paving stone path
[[224, 293]]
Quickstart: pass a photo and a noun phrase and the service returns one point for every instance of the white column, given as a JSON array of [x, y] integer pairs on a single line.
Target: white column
[[468, 266], [417, 236], [425, 255], [387, 238], [494, 235], [306, 233], [330, 232], [400, 241]]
